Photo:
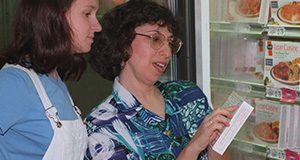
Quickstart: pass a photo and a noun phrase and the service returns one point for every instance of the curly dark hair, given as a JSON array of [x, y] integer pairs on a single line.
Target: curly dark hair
[[112, 46], [43, 39]]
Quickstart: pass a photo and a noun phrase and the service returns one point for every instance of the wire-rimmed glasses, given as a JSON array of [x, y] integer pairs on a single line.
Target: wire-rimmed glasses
[[157, 40]]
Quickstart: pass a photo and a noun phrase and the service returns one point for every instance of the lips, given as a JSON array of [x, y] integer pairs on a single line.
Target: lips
[[91, 39], [160, 67]]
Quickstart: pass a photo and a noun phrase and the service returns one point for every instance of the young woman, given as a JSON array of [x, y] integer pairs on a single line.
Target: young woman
[[144, 118], [38, 119]]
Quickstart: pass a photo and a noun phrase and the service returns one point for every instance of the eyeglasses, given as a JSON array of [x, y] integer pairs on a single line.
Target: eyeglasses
[[157, 40]]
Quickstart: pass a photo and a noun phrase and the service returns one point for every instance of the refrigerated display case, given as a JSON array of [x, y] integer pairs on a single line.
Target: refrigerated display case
[[235, 46]]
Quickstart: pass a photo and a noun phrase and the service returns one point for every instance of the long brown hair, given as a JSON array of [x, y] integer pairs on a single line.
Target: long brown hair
[[43, 39]]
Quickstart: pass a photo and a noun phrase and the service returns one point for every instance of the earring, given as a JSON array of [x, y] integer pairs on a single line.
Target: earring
[[122, 64]]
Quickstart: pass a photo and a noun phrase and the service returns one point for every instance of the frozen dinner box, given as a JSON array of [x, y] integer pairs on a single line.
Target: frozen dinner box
[[285, 12], [244, 10], [282, 61], [267, 120]]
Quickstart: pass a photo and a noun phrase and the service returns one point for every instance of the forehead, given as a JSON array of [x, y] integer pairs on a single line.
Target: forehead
[[94, 4]]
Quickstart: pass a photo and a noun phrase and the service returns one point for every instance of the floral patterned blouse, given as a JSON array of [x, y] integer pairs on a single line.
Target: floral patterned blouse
[[121, 128]]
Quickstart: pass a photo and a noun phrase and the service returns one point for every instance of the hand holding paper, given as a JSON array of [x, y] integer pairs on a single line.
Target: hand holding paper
[[230, 132]]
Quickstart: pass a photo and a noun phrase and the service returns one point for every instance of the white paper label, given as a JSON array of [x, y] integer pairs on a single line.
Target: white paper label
[[237, 121]]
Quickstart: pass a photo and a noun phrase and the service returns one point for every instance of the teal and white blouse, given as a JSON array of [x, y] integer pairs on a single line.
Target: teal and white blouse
[[121, 128]]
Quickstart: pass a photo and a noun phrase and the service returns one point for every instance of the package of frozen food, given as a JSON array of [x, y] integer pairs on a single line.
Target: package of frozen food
[[282, 64], [267, 120], [289, 127], [244, 10], [285, 12]]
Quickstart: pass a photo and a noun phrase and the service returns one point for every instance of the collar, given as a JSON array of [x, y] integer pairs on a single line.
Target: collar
[[125, 100]]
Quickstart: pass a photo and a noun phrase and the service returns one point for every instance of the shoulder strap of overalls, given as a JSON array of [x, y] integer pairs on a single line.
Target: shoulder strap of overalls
[[50, 110]]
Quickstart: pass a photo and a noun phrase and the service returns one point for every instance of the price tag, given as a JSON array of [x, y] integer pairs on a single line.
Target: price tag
[[284, 94], [273, 92], [275, 153], [276, 31]]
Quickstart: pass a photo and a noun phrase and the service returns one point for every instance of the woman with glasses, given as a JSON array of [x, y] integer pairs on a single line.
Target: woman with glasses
[[144, 118]]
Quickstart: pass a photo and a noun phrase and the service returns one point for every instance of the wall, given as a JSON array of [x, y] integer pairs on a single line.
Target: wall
[[89, 91], [7, 12]]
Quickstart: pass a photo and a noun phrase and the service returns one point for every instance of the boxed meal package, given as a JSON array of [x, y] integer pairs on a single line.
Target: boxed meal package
[[285, 12], [281, 68], [289, 127], [267, 120], [244, 10]]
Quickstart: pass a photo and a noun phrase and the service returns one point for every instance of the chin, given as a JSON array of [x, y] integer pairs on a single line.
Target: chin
[[82, 51]]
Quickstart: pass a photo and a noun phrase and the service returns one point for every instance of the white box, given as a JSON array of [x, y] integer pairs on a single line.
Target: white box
[[237, 121], [244, 11], [281, 68], [285, 12]]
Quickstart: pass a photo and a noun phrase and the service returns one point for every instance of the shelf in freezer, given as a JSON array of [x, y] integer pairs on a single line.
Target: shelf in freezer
[[242, 28], [238, 84], [285, 31], [251, 87], [246, 141]]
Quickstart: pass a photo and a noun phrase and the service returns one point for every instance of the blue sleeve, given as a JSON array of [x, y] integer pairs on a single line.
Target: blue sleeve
[[14, 95]]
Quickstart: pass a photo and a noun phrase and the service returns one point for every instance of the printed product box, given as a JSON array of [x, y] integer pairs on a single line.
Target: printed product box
[[285, 12], [289, 127], [244, 10], [281, 68], [267, 120]]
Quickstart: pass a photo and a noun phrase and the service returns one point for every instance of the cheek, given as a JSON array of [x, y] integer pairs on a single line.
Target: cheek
[[75, 39], [141, 55], [141, 49], [80, 44], [79, 34]]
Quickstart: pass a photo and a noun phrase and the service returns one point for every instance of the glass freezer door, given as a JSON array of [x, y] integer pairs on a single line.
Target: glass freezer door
[[244, 50]]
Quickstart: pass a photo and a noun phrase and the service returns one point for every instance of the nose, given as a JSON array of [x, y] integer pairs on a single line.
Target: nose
[[165, 50], [97, 26]]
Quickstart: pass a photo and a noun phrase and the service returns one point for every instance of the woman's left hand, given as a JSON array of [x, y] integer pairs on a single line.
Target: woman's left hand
[[211, 127]]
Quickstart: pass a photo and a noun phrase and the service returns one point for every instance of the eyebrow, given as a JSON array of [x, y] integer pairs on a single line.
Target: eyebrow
[[91, 7], [157, 31]]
